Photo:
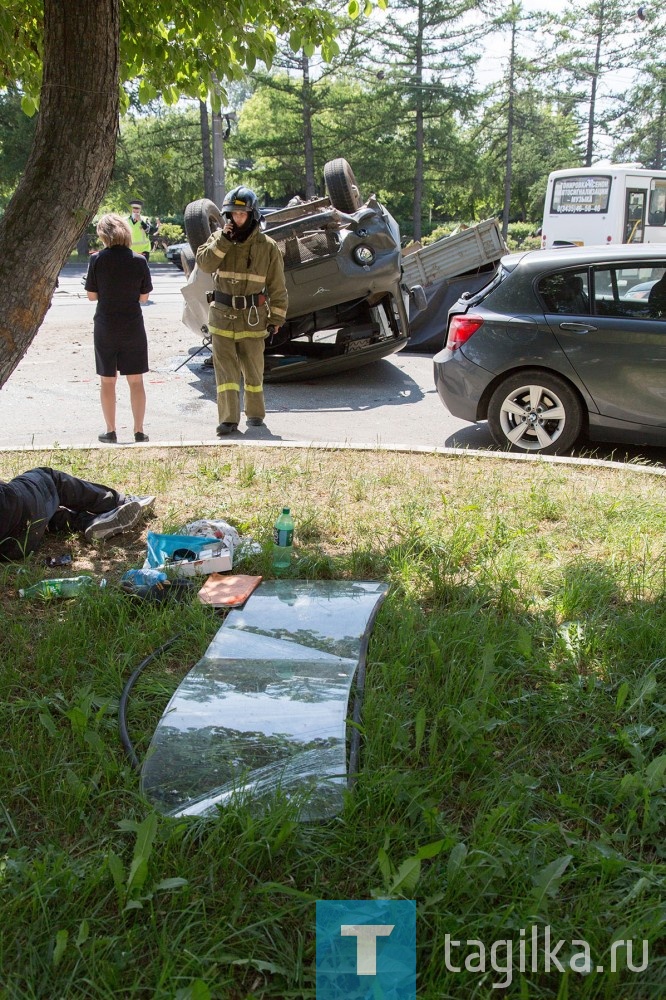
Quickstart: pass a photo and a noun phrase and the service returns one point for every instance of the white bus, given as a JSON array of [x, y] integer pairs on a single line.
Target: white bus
[[618, 203]]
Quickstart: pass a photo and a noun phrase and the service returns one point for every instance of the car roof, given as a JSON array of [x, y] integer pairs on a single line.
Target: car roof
[[572, 256]]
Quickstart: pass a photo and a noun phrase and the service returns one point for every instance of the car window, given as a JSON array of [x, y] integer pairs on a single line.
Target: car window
[[474, 298], [566, 292], [634, 290]]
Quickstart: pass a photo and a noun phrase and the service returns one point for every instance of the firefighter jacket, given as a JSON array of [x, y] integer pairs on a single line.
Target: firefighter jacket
[[140, 235], [252, 268]]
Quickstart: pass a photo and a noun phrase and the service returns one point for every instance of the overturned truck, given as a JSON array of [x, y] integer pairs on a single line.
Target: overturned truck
[[446, 269], [350, 295]]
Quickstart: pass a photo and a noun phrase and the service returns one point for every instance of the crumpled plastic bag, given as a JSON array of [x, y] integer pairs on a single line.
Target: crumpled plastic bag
[[224, 532], [214, 529]]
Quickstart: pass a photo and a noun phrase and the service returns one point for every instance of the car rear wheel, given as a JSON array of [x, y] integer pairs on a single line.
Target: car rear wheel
[[202, 217], [535, 411], [341, 185]]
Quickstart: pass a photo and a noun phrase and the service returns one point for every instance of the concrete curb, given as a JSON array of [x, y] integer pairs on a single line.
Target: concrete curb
[[502, 456]]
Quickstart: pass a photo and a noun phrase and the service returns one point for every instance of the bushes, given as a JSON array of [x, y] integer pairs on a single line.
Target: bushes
[[520, 235], [446, 229], [171, 233]]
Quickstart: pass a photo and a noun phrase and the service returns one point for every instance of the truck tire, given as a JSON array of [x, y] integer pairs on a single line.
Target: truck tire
[[341, 185], [202, 217]]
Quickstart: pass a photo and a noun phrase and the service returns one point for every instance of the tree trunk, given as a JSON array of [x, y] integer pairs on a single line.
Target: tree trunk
[[219, 179], [68, 169], [659, 139], [418, 166], [209, 191], [508, 171], [310, 184], [601, 28]]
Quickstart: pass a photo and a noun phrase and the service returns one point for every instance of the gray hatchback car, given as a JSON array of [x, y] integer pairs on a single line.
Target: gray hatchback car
[[557, 346]]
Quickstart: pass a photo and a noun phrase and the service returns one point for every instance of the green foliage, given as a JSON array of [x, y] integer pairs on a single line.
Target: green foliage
[[366, 103], [160, 157], [642, 124], [175, 48], [369, 122], [583, 44], [171, 233], [16, 135], [544, 139], [447, 229], [521, 236]]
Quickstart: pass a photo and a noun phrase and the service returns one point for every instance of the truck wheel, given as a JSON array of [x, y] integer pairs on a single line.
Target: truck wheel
[[187, 261], [341, 185], [201, 218]]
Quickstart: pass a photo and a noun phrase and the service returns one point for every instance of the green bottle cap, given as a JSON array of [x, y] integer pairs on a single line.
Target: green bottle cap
[[285, 510]]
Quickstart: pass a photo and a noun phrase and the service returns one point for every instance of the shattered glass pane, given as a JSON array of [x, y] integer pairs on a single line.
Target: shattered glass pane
[[265, 707]]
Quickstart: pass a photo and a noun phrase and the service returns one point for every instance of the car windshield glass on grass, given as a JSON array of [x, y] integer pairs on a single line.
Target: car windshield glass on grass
[[512, 768]]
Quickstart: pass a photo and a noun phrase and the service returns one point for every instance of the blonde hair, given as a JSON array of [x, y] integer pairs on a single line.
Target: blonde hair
[[113, 231]]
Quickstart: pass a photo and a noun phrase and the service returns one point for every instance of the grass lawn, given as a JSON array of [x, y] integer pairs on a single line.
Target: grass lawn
[[513, 771]]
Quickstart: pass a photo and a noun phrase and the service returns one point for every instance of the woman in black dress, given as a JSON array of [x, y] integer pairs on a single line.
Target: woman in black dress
[[119, 281]]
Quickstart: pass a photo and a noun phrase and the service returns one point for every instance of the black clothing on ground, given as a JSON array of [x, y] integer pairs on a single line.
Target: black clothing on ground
[[119, 276], [44, 499]]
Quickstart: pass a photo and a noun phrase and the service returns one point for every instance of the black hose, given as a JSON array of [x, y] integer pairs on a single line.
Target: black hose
[[122, 707]]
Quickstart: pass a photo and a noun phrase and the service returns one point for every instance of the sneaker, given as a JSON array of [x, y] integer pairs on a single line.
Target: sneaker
[[114, 522], [224, 429], [109, 437], [140, 436], [255, 422], [145, 502]]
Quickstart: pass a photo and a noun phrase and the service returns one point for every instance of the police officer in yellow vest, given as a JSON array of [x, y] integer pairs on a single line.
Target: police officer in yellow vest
[[249, 295], [140, 230]]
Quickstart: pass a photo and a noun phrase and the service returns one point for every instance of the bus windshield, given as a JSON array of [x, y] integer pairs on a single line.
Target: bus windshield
[[580, 195]]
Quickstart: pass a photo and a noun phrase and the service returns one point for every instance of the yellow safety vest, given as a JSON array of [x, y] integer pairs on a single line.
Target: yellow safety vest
[[140, 238]]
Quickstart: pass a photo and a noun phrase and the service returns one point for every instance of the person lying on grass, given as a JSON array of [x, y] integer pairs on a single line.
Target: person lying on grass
[[44, 499]]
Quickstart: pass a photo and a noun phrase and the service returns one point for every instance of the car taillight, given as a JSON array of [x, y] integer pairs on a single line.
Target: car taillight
[[461, 329]]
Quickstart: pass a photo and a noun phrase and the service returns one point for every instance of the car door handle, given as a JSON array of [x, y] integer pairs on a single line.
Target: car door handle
[[578, 327]]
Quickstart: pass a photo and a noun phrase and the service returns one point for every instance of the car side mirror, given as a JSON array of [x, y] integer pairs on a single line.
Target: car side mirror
[[417, 297]]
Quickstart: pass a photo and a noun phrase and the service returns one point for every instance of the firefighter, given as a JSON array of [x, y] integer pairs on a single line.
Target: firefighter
[[249, 296]]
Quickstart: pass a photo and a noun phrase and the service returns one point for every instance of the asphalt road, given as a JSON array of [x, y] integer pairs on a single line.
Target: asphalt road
[[52, 397]]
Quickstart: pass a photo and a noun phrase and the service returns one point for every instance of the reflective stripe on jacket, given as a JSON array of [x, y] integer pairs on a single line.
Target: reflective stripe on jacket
[[246, 268]]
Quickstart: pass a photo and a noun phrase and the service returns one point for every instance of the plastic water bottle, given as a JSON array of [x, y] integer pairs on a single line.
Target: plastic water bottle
[[143, 577], [283, 540], [65, 587]]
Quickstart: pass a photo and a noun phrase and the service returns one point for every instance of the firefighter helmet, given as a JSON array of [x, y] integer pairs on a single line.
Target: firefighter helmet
[[241, 199]]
